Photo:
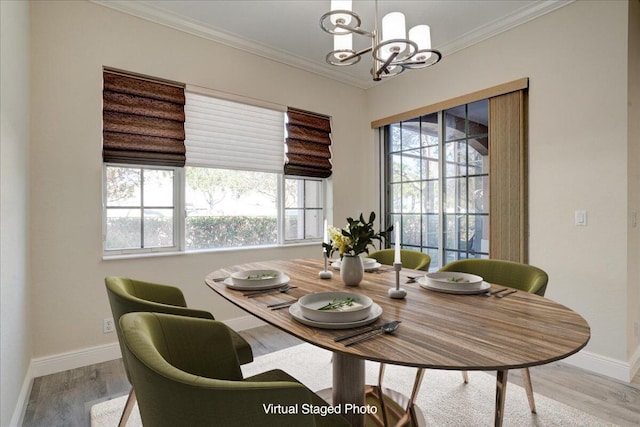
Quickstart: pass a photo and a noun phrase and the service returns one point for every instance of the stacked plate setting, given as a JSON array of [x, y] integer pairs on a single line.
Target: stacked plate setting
[[256, 280], [323, 310], [454, 283]]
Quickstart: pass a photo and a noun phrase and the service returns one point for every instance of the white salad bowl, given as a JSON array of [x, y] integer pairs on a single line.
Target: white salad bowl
[[311, 306], [256, 277], [454, 280]]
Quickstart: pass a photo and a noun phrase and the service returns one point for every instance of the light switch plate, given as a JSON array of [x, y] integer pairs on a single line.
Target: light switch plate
[[581, 218]]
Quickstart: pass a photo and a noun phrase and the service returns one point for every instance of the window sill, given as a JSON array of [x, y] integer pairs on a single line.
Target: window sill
[[205, 251]]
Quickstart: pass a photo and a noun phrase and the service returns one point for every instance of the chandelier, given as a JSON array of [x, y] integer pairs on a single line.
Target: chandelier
[[392, 51]]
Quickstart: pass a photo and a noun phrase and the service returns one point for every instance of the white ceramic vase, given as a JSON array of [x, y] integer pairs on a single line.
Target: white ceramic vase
[[351, 270]]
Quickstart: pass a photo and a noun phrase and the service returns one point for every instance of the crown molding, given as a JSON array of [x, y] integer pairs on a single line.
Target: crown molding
[[150, 12], [503, 24]]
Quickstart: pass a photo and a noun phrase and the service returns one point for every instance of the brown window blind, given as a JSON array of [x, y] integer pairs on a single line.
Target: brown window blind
[[308, 144], [143, 121]]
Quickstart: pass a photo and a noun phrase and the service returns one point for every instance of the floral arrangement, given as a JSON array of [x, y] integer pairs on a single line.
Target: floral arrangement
[[355, 238]]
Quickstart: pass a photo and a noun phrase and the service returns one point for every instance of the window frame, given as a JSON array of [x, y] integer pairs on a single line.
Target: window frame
[[283, 208], [178, 212], [179, 217]]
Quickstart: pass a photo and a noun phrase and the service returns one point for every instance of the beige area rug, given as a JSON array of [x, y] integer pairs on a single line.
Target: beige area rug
[[444, 400]]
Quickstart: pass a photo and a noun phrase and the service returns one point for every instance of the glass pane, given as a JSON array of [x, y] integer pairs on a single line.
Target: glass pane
[[313, 224], [476, 242], [478, 114], [395, 198], [158, 228], [312, 194], [430, 163], [395, 167], [411, 230], [456, 154], [293, 191], [478, 156], [411, 134], [455, 197], [395, 142], [123, 229], [294, 224], [123, 186], [158, 187], [411, 195], [430, 228], [411, 165], [230, 208], [429, 129], [479, 194], [454, 120], [430, 197], [456, 235]]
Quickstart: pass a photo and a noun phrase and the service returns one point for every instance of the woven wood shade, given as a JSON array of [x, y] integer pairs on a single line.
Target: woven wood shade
[[143, 121], [308, 144]]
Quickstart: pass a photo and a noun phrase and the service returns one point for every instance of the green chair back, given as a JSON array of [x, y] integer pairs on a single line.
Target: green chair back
[[185, 373], [129, 295], [515, 275], [410, 259]]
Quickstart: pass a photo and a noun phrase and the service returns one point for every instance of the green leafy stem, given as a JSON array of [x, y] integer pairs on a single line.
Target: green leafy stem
[[337, 303]]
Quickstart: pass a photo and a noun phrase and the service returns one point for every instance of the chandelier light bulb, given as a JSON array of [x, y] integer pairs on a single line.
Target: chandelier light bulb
[[393, 27], [343, 43], [340, 18], [421, 35]]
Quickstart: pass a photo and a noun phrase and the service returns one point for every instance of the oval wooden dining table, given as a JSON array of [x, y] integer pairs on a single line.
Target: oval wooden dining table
[[438, 330]]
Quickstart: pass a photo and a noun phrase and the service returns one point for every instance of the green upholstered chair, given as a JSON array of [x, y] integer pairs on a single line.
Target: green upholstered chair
[[186, 373], [410, 259], [129, 295], [523, 277]]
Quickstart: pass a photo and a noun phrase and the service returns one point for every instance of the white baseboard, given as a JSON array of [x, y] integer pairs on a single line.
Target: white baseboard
[[103, 353], [23, 399], [74, 359], [603, 365]]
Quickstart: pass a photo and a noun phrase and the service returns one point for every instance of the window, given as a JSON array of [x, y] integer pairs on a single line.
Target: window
[[230, 208], [437, 186], [303, 211], [440, 166], [140, 208], [195, 169]]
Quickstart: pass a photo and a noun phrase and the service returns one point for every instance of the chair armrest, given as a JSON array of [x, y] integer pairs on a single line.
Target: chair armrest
[[163, 294]]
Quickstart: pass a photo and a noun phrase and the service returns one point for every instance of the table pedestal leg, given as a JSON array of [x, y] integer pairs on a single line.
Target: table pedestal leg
[[348, 387], [501, 391]]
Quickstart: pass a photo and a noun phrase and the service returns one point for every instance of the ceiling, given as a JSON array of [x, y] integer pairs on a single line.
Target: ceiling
[[288, 31]]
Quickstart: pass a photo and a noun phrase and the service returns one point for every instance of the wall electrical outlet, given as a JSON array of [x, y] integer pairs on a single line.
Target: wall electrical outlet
[[108, 326], [636, 329]]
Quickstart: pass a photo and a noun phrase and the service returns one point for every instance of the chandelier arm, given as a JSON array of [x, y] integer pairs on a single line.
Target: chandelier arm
[[356, 30], [356, 54], [383, 67]]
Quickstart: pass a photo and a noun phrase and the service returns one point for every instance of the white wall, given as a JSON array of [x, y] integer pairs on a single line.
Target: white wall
[[15, 325], [633, 299], [71, 41], [576, 59]]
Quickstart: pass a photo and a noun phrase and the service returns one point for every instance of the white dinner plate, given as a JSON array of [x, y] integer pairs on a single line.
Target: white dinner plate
[[374, 314], [284, 279], [374, 266], [423, 282]]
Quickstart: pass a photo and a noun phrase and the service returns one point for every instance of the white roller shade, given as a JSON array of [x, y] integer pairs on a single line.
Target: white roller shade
[[231, 135]]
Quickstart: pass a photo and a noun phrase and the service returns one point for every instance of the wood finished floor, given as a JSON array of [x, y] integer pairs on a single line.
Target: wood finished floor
[[65, 398]]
